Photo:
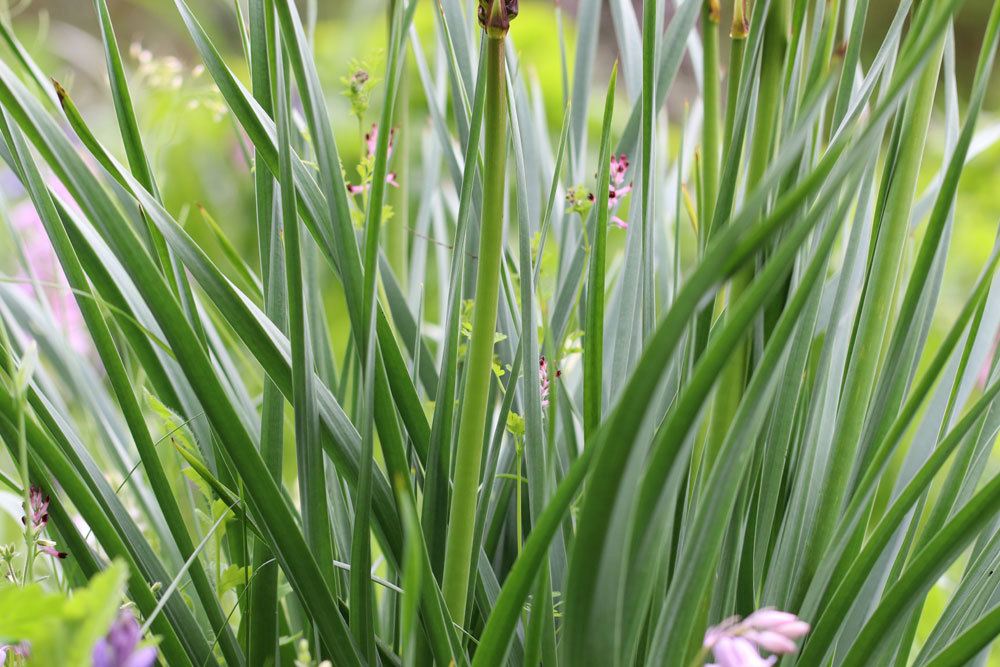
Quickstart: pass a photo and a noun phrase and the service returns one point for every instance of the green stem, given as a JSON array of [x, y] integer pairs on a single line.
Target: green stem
[[593, 341], [737, 50], [396, 249], [518, 456], [264, 609], [308, 454], [29, 529], [733, 379], [479, 371], [710, 127]]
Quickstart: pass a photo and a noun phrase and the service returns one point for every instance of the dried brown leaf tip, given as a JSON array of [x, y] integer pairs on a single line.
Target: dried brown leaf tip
[[60, 91], [495, 16], [741, 21]]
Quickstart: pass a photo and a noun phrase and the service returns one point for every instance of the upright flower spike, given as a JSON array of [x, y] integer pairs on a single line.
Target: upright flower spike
[[371, 140], [543, 381], [618, 188], [38, 514], [494, 17]]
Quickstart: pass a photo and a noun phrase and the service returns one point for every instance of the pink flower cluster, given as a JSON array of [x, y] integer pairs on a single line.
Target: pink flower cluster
[[38, 514], [371, 141], [22, 650], [543, 381], [42, 265], [736, 643], [618, 188]]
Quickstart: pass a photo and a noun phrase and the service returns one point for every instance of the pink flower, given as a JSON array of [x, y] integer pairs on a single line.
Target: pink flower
[[619, 167], [736, 643], [371, 142], [120, 648], [618, 189], [38, 514], [49, 550], [21, 650], [543, 381], [39, 510], [739, 652], [42, 265], [371, 139]]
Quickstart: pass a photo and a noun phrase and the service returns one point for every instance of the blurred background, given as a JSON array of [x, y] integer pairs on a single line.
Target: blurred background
[[200, 159]]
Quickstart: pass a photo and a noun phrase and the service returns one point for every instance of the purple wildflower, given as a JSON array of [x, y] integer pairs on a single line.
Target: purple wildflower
[[39, 510], [543, 380], [736, 643], [371, 142], [120, 648], [618, 188], [21, 650], [38, 514]]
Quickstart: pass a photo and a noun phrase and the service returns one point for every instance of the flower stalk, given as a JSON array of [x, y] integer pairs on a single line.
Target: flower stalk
[[494, 17], [710, 130], [734, 375]]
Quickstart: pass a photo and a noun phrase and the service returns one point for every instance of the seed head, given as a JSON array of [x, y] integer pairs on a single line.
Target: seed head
[[495, 16]]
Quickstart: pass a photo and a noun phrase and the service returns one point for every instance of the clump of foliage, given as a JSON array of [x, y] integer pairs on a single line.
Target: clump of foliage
[[704, 422]]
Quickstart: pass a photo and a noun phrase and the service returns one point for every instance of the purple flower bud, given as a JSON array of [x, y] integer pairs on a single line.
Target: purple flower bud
[[771, 641], [768, 618], [39, 510], [120, 648]]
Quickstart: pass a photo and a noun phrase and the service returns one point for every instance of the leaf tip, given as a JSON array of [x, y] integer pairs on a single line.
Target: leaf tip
[[60, 92]]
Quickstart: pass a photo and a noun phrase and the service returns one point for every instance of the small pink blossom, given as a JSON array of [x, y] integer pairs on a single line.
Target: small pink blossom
[[38, 513], [371, 142], [618, 189], [49, 550], [738, 652], [21, 650], [120, 648], [543, 380], [736, 643], [39, 510], [371, 139]]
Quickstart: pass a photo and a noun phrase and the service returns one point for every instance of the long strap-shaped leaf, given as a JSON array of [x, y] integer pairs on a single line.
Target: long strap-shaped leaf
[[179, 646], [926, 567], [118, 376], [732, 246], [265, 341], [266, 499], [324, 224]]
